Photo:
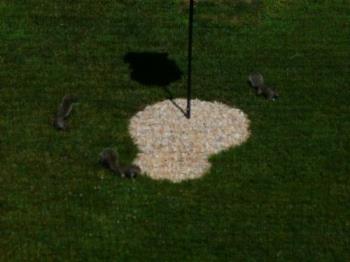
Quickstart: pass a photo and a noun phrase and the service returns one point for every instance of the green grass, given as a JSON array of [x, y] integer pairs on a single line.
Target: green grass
[[283, 195]]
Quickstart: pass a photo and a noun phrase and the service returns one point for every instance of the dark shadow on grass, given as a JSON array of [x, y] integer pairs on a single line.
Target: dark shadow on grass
[[154, 69]]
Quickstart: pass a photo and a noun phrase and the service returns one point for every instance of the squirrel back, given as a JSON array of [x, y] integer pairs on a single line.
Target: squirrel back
[[256, 79]]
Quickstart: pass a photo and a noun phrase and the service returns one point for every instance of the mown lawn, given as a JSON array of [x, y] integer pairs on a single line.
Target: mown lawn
[[283, 195]]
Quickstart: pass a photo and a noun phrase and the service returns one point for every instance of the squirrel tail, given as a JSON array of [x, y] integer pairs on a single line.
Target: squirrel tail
[[109, 158], [256, 79]]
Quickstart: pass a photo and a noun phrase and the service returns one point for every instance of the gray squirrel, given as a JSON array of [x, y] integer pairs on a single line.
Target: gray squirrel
[[256, 80], [109, 158], [63, 111]]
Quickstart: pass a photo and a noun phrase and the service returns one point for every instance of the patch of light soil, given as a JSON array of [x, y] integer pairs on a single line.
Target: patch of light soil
[[176, 148]]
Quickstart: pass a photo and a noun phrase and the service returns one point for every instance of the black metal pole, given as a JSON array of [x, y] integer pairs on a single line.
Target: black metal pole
[[189, 78]]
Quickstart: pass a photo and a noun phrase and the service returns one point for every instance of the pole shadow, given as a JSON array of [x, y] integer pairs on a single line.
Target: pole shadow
[[171, 98]]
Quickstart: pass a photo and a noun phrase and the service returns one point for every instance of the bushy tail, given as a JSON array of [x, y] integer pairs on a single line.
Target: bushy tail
[[256, 79], [109, 159]]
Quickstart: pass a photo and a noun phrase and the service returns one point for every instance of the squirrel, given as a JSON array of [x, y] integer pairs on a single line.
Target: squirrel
[[110, 159], [63, 111], [256, 80]]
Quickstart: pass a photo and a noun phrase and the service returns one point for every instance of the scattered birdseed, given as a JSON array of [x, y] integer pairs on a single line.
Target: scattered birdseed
[[176, 148]]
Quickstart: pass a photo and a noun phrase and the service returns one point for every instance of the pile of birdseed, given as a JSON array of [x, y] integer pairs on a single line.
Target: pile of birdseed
[[176, 148]]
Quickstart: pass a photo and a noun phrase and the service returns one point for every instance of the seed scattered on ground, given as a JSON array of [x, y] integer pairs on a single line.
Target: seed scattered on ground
[[176, 148]]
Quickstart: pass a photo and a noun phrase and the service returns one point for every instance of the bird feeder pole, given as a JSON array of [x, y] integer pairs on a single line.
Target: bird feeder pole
[[189, 68]]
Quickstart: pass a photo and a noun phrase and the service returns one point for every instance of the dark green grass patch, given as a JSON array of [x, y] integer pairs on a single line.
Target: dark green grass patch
[[283, 195]]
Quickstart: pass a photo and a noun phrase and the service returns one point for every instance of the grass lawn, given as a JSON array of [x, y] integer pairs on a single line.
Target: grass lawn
[[283, 195]]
